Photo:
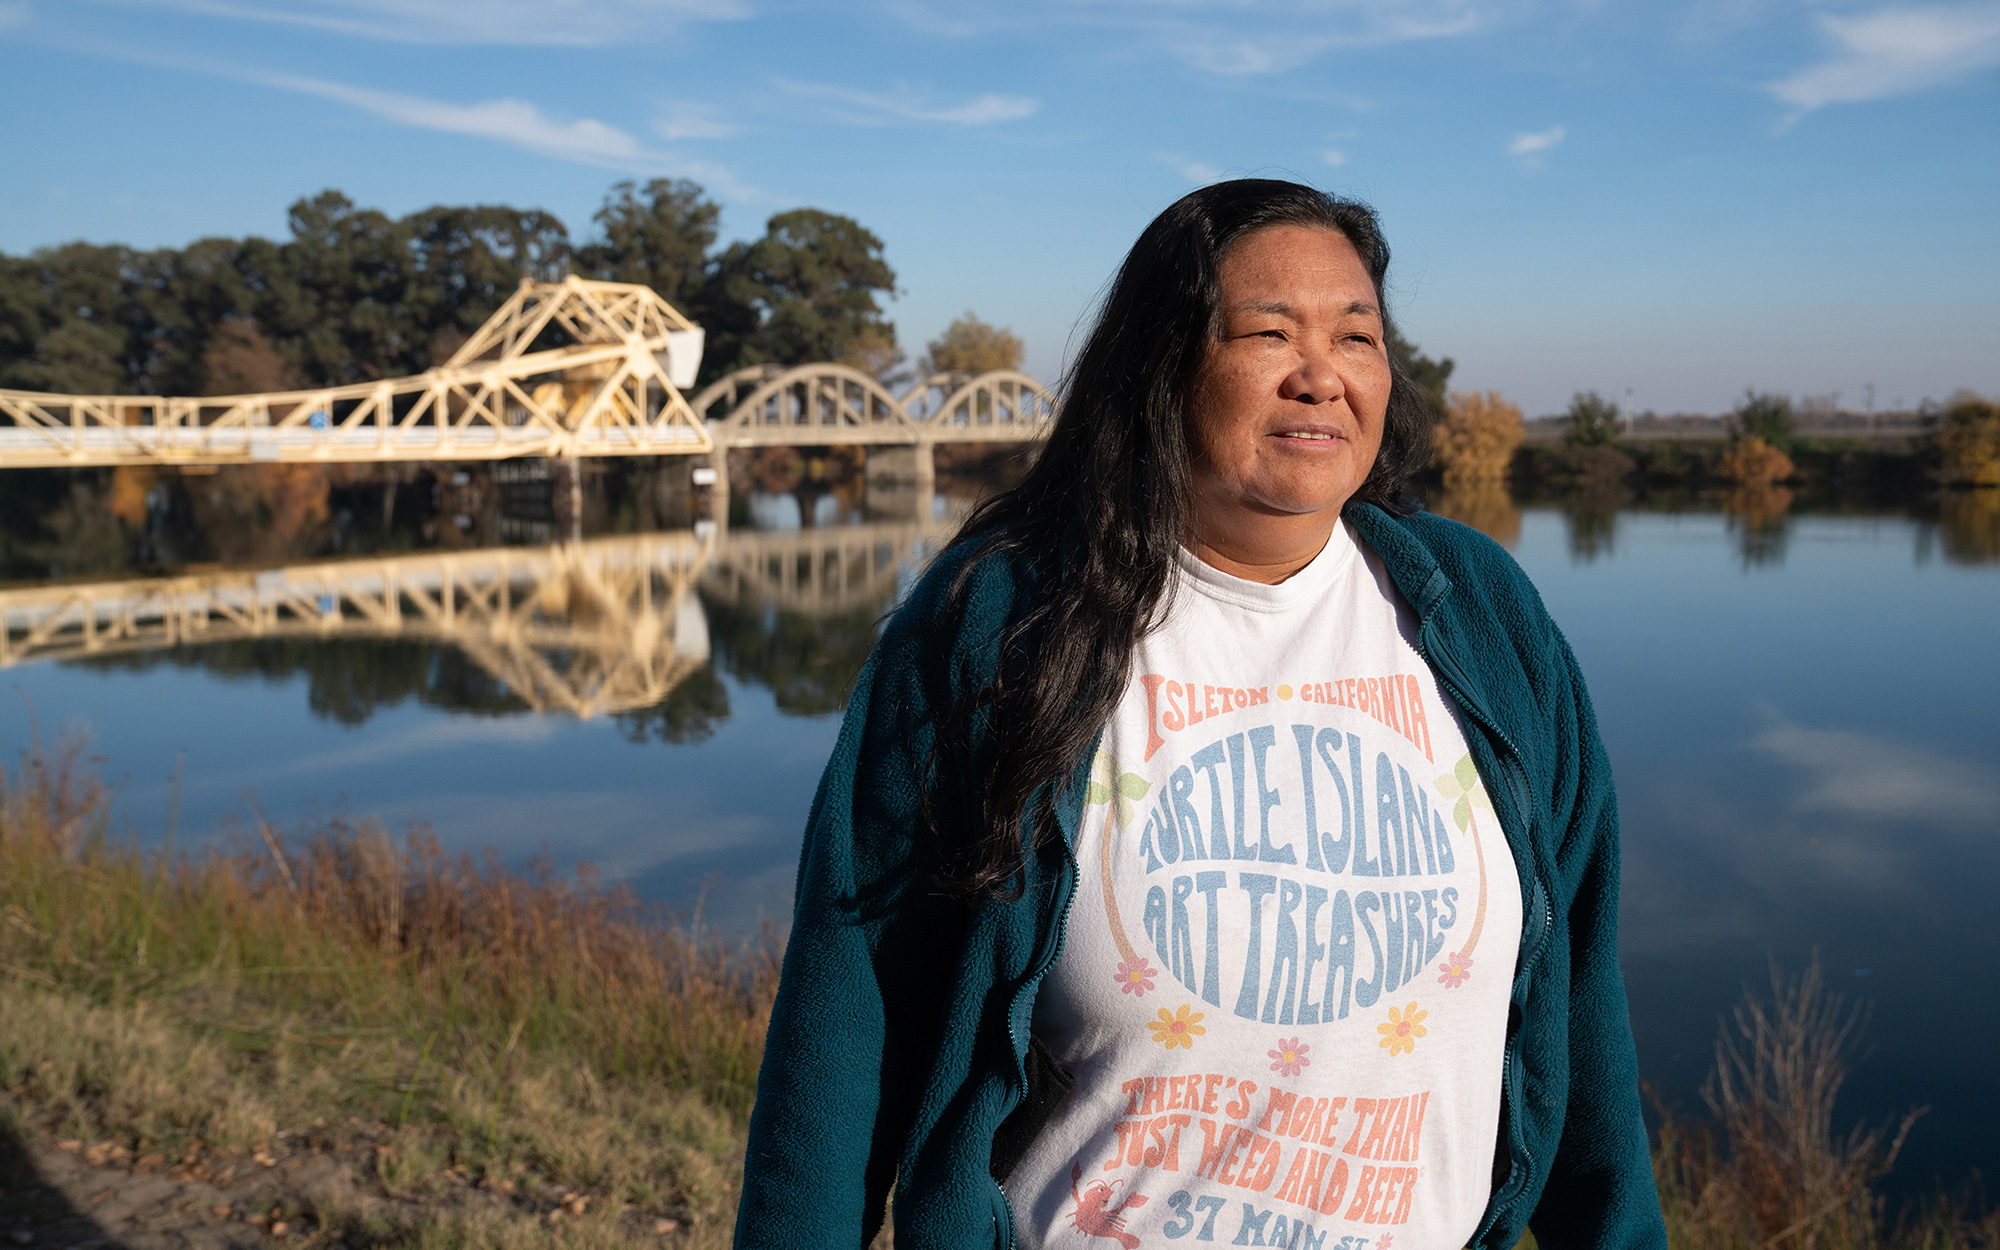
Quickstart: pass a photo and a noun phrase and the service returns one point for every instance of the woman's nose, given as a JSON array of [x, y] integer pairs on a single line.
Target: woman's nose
[[1315, 380]]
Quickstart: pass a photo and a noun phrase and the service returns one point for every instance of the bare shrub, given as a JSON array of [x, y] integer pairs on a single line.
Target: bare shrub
[[1783, 1177], [1751, 461]]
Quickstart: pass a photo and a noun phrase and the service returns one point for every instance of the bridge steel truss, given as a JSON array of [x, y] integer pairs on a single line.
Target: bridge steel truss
[[564, 369], [570, 368]]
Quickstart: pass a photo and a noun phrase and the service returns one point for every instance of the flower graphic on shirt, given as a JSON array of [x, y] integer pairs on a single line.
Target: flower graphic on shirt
[[1463, 785], [1400, 1034], [1290, 1057], [1388, 1239], [1453, 972], [1135, 976], [1178, 1028], [1110, 785]]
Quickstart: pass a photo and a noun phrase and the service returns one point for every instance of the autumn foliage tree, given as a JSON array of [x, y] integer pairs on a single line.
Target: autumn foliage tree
[[1969, 442], [969, 345], [1477, 439]]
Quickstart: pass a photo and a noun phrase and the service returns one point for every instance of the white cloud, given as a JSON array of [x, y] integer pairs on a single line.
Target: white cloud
[[683, 119], [517, 123], [444, 734], [1537, 141], [1860, 775], [1300, 34], [1334, 157], [1711, 21], [1894, 52], [510, 121], [878, 108], [541, 23], [1226, 37], [1200, 173]]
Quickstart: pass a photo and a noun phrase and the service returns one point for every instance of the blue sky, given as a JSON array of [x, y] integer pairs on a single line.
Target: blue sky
[[1678, 200]]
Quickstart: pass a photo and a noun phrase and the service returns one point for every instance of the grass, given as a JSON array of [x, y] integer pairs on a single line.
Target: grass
[[497, 1035], [518, 1032]]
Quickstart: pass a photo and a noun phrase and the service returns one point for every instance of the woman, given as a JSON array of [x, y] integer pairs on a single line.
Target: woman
[[1216, 846]]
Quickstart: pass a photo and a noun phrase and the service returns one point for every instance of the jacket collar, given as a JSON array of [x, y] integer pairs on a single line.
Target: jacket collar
[[1410, 563]]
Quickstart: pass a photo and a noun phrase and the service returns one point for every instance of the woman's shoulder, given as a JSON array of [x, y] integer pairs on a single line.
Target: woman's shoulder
[[961, 602], [1426, 544]]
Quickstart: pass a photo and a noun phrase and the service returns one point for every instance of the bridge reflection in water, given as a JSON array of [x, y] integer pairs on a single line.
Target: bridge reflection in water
[[589, 628]]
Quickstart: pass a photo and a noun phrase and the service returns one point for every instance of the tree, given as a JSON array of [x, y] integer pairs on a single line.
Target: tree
[[969, 345], [1429, 375], [1767, 416], [805, 291], [876, 354], [1593, 421], [469, 260], [64, 320], [240, 362], [335, 298], [659, 237]]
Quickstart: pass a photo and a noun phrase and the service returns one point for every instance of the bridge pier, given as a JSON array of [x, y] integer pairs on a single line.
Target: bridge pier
[[926, 477], [895, 468], [711, 473], [568, 492]]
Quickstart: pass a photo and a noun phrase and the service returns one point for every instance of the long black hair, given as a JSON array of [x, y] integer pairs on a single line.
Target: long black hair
[[1099, 516]]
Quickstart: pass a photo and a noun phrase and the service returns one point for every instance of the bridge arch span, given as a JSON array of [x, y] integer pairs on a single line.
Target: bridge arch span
[[827, 403], [1002, 403], [813, 404]]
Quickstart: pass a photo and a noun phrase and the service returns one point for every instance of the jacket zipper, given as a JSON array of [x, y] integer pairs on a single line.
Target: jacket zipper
[[1070, 875], [1541, 917]]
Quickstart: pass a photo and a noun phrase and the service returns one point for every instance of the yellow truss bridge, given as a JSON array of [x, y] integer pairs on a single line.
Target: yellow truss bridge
[[562, 369]]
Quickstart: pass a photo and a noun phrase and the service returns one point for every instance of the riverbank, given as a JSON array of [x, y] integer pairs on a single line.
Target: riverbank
[[340, 1038], [334, 1038]]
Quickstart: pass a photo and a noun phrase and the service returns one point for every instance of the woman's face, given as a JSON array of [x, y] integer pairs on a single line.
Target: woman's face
[[1289, 403]]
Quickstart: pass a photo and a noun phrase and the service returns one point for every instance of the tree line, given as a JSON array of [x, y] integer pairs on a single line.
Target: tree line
[[354, 294]]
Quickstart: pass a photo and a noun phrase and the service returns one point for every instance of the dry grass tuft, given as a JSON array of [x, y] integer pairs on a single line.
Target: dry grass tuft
[[1772, 1171]]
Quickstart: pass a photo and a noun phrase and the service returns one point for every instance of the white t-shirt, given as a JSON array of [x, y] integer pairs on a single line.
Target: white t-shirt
[[1284, 988]]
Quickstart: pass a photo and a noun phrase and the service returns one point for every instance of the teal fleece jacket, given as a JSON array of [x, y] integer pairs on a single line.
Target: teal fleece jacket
[[899, 1037]]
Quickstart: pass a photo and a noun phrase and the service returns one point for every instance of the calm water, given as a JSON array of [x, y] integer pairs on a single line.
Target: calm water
[[1803, 714]]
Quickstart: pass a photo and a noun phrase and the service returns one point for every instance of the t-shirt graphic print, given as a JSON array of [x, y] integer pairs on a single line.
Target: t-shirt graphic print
[[1283, 990]]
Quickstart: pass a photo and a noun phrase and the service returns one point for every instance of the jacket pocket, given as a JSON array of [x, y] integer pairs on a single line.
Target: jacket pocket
[[1048, 1085]]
